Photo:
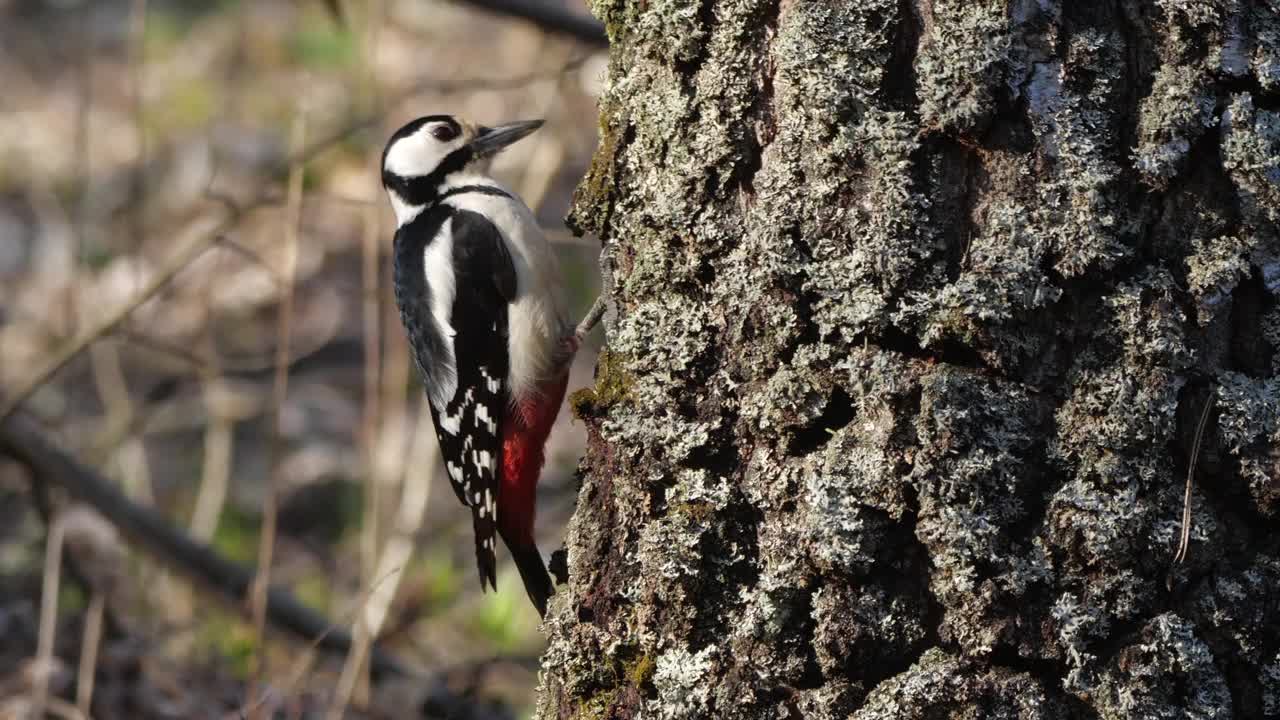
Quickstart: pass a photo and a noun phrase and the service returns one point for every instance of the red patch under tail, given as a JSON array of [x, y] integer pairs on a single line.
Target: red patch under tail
[[524, 437]]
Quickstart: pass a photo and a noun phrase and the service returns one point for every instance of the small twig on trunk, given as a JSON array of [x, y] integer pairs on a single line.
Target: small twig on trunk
[[591, 319], [1184, 542]]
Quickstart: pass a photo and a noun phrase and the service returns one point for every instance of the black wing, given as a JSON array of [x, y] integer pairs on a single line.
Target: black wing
[[469, 426], [413, 297]]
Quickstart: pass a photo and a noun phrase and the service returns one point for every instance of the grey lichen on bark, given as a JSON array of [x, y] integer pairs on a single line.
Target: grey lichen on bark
[[914, 309]]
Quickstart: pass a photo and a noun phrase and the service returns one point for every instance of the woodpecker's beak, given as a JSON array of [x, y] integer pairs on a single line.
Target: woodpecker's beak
[[489, 141]]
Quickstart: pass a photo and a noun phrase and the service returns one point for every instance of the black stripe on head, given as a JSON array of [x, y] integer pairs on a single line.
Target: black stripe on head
[[424, 189]]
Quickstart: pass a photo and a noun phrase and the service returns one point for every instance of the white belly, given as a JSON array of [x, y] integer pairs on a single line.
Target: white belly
[[536, 321]]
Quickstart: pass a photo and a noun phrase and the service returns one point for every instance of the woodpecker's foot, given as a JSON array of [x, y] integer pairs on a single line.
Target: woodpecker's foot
[[569, 345]]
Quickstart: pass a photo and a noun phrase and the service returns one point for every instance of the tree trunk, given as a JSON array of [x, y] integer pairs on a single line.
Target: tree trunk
[[915, 311]]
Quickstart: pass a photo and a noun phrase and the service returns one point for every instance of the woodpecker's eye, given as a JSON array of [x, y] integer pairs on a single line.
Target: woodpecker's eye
[[444, 133]]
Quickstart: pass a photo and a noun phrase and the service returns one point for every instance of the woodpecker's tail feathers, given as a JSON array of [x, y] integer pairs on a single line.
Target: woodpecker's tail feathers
[[486, 561], [537, 581]]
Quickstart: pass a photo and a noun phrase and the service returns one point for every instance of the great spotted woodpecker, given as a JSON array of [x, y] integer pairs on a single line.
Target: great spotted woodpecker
[[478, 289]]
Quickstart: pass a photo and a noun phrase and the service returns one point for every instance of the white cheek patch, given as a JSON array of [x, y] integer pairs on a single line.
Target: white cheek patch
[[419, 153]]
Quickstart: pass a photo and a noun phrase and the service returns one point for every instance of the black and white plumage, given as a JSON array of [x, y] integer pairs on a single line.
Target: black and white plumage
[[479, 295], [464, 364]]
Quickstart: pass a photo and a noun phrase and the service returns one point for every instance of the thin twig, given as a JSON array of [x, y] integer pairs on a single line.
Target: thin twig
[[89, 650], [306, 658], [210, 233], [549, 17], [355, 666], [189, 248], [591, 319], [215, 473], [24, 441], [441, 87], [48, 614], [250, 255], [1184, 541], [395, 555], [118, 440], [280, 389], [80, 575]]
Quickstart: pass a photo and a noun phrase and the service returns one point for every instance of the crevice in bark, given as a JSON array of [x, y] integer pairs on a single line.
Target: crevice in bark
[[1220, 485], [1049, 478], [719, 584], [706, 21], [1250, 352], [720, 454], [1230, 85], [903, 570], [811, 677], [900, 83], [957, 194], [1120, 635], [1140, 58], [836, 414], [600, 602], [1048, 673], [950, 351], [764, 122], [1242, 681]]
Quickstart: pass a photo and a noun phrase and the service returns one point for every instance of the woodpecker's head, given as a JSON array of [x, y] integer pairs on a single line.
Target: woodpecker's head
[[420, 157]]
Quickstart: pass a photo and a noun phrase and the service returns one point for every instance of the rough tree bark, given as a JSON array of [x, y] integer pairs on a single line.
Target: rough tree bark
[[915, 307]]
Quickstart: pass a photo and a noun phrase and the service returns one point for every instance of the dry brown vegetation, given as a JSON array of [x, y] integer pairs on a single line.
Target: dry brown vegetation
[[193, 306]]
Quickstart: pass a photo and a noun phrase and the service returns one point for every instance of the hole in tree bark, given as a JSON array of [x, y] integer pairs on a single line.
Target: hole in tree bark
[[1250, 351], [837, 414]]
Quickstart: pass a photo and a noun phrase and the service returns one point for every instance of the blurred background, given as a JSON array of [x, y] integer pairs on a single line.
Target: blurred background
[[220, 161]]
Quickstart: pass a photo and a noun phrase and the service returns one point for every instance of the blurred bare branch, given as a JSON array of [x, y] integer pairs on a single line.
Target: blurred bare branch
[[24, 441], [195, 244], [44, 662], [549, 17], [279, 391], [144, 293], [442, 87], [209, 233]]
